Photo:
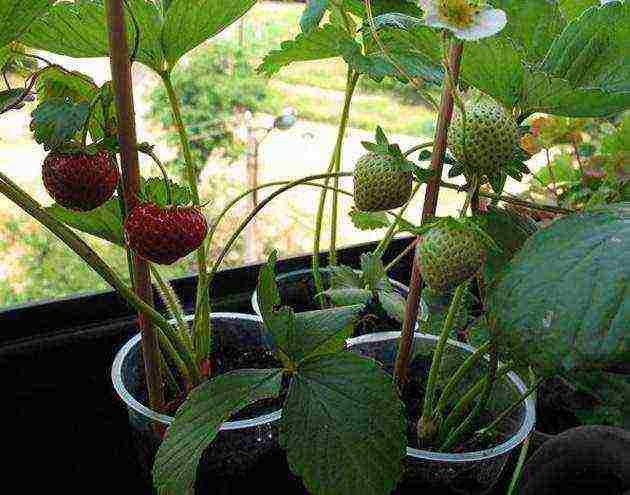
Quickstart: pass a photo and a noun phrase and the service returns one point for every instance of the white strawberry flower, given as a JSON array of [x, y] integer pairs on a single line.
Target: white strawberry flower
[[469, 20]]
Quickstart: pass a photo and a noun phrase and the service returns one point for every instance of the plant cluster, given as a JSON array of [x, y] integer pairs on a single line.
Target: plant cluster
[[551, 299]]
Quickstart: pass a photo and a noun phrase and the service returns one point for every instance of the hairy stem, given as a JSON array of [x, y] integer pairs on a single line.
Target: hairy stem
[[512, 200], [400, 256], [350, 87], [259, 207], [87, 254], [428, 210], [436, 362], [389, 235], [121, 77], [451, 386], [202, 310]]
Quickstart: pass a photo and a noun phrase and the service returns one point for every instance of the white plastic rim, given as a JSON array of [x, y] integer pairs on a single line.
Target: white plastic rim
[[402, 289], [165, 419], [480, 455]]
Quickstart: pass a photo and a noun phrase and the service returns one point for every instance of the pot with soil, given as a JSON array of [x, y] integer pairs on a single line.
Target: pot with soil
[[475, 464], [242, 441]]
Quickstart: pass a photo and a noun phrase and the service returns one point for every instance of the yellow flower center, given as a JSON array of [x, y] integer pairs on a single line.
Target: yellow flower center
[[460, 13]]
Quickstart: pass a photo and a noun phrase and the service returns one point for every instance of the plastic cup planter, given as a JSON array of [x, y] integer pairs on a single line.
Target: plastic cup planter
[[297, 289], [241, 444], [467, 472]]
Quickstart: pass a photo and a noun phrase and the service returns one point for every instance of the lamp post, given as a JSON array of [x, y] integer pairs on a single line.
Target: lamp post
[[255, 136]]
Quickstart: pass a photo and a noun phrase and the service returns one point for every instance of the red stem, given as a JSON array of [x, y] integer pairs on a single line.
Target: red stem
[[121, 77], [428, 210]]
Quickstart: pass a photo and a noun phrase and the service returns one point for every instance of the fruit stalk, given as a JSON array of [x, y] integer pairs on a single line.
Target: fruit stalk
[[87, 254], [202, 309], [428, 210], [351, 85], [121, 76], [259, 207]]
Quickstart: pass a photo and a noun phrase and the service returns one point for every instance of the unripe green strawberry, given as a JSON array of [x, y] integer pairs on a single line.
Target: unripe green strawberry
[[449, 255], [380, 184], [491, 139]]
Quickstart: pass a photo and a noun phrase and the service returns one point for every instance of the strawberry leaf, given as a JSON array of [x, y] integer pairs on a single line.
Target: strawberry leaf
[[320, 43], [298, 335], [56, 121], [104, 222], [369, 220], [313, 15], [425, 155], [17, 15], [562, 302], [373, 271], [343, 426], [197, 423], [497, 182], [344, 277], [423, 175], [381, 138]]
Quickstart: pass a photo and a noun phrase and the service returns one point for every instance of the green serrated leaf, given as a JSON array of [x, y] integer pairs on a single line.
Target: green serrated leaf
[[343, 426], [562, 302], [381, 138], [369, 220], [186, 28], [424, 155], [324, 329], [373, 270], [323, 42], [313, 14], [393, 303], [104, 222], [456, 170], [154, 190], [57, 120], [17, 15], [198, 420], [423, 175], [348, 296], [344, 277], [586, 72]]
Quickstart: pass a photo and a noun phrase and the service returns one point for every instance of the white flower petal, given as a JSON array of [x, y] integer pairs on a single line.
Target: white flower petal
[[430, 8], [487, 23], [427, 4], [435, 20]]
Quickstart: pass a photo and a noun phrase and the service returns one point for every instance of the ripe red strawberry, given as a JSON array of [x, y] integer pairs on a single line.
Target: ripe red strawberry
[[164, 235], [80, 181]]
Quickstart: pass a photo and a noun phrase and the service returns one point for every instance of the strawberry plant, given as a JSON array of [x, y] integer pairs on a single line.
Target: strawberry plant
[[551, 299]]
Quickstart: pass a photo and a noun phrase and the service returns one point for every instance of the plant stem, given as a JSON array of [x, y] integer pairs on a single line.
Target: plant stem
[[417, 147], [511, 408], [389, 235], [336, 156], [428, 210], [246, 193], [436, 362], [519, 465], [202, 309], [87, 254], [450, 387], [471, 394], [259, 207], [174, 307], [512, 200], [121, 77], [404, 252]]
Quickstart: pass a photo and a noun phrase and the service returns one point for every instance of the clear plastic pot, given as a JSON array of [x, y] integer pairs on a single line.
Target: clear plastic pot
[[297, 289], [239, 445], [466, 472]]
